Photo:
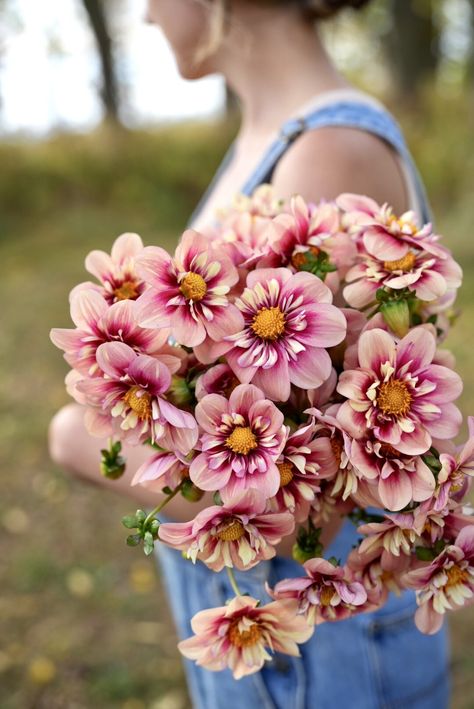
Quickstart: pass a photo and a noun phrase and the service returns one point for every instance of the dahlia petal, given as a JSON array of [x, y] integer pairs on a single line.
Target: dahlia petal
[[427, 620], [312, 286], [100, 265], [417, 348], [126, 246], [148, 371], [153, 262], [382, 245], [274, 382], [395, 491], [226, 321], [311, 368], [448, 383], [114, 358], [152, 311], [176, 417], [361, 293], [186, 329], [87, 307], [209, 412], [447, 425], [423, 482], [204, 477], [243, 397], [375, 348]]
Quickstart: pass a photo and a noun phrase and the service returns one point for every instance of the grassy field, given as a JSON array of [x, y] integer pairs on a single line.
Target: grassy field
[[84, 622]]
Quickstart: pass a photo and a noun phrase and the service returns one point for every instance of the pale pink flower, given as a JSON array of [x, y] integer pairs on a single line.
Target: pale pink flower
[[188, 293], [392, 540], [326, 593], [242, 440], [428, 276], [242, 635], [377, 581], [445, 584], [299, 473], [97, 322], [162, 469], [133, 397], [115, 272], [289, 322], [398, 393], [240, 533], [399, 478], [383, 234]]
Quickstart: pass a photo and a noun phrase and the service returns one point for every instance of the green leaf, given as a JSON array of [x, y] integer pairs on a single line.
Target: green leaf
[[130, 522], [425, 554], [133, 540], [148, 543]]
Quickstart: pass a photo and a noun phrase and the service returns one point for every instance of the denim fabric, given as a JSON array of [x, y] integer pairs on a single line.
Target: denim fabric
[[372, 661]]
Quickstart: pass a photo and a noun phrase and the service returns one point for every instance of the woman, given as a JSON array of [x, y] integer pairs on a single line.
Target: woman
[[307, 131]]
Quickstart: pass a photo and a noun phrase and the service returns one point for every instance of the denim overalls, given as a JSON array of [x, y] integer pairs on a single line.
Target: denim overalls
[[372, 661]]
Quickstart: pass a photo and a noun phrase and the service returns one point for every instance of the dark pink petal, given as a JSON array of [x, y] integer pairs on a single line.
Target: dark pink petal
[[176, 417], [382, 245], [148, 371], [448, 384], [417, 348]]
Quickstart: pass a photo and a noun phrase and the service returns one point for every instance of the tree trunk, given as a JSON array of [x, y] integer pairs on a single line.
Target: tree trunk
[[413, 44], [109, 90]]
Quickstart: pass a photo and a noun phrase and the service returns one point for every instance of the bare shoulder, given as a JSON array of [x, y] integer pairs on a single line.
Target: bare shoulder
[[325, 162]]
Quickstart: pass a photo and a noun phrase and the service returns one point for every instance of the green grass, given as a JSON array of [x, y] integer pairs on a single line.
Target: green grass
[[84, 620]]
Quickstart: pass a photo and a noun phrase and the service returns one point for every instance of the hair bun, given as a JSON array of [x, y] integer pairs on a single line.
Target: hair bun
[[318, 9]]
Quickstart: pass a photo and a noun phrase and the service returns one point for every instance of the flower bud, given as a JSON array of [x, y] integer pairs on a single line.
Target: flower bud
[[396, 314], [180, 392], [190, 492]]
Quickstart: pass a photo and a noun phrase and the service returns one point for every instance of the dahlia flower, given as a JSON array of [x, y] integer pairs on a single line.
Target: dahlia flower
[[398, 393], [162, 469], [242, 634], [399, 478], [288, 322], [115, 272], [188, 293], [445, 584], [240, 533], [97, 322], [219, 379], [326, 593], [242, 440], [132, 396]]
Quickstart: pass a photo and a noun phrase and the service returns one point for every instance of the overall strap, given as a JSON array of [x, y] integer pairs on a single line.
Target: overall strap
[[358, 114]]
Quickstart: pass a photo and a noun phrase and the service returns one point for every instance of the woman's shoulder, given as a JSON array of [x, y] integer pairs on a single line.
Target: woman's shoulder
[[323, 163]]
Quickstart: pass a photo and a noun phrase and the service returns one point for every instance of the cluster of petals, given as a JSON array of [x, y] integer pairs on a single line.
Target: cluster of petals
[[243, 635], [398, 394], [163, 469], [288, 322], [132, 396], [189, 293], [240, 533], [299, 466], [445, 584], [242, 439], [326, 593], [116, 271], [98, 322]]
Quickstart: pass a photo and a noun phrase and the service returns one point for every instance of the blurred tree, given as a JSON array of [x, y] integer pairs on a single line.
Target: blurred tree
[[97, 15], [414, 43]]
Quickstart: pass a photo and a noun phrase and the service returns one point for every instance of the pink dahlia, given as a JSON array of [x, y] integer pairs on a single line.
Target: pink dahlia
[[299, 466], [219, 379], [445, 584], [133, 397], [326, 593], [242, 634], [398, 393], [116, 272], [242, 440], [309, 230], [392, 540], [238, 534], [426, 275], [97, 322], [163, 469], [383, 234], [288, 322], [399, 478], [188, 293]]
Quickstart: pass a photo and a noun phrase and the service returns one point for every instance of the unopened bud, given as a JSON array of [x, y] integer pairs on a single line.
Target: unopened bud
[[190, 492], [396, 314]]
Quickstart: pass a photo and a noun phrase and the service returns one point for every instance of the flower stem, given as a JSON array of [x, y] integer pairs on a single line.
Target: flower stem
[[233, 582], [162, 504]]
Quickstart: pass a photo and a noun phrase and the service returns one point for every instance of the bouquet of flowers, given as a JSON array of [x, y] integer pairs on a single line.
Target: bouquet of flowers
[[286, 363]]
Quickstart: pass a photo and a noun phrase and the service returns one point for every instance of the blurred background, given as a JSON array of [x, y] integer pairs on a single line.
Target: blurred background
[[99, 135]]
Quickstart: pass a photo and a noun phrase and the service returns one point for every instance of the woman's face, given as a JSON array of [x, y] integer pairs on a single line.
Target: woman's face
[[185, 24]]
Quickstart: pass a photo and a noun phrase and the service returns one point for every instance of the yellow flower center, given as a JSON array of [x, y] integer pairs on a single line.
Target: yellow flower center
[[232, 532], [286, 473], [269, 323], [127, 291], [393, 398], [326, 595], [193, 287], [139, 401], [243, 638], [242, 440], [404, 264], [298, 258], [455, 576]]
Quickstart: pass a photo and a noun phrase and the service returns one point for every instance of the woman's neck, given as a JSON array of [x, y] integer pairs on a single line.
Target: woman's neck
[[273, 79]]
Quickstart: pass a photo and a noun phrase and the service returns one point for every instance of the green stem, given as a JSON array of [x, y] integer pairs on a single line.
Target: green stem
[[233, 582], [162, 504]]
